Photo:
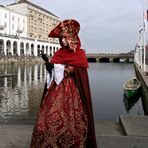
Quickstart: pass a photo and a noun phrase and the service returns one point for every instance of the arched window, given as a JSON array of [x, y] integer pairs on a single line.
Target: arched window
[[8, 47], [22, 48], [15, 50], [32, 49], [1, 47]]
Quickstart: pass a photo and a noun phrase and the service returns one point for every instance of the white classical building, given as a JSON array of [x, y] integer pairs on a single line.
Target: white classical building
[[11, 45], [12, 23], [4, 20], [16, 31]]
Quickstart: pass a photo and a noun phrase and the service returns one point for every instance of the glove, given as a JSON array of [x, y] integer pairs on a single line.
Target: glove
[[44, 56], [49, 67]]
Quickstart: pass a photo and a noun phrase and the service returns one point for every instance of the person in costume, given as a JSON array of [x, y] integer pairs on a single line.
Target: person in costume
[[65, 118]]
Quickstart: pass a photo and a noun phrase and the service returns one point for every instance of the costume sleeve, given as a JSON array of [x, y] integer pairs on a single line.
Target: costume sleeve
[[57, 74]]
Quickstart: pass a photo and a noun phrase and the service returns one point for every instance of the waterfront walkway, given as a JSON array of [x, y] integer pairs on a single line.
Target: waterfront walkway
[[129, 132]]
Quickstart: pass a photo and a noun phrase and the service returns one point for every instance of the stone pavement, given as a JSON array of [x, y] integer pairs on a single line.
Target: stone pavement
[[130, 132], [15, 136]]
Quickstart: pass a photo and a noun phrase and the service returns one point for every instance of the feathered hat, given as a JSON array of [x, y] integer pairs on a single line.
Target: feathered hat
[[69, 28]]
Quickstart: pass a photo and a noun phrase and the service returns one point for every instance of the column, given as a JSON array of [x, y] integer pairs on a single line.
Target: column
[[18, 48], [48, 50], [35, 48], [11, 48], [52, 50], [30, 49], [25, 49]]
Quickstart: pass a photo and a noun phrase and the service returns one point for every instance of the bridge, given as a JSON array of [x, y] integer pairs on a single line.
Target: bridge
[[108, 57]]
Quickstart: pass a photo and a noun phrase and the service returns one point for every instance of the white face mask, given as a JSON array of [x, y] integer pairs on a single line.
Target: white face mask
[[64, 41]]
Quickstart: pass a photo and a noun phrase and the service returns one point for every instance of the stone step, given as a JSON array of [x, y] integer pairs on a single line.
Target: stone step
[[111, 135], [134, 125], [108, 128], [122, 142]]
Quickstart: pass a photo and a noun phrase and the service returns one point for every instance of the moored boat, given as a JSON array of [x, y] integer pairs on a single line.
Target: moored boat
[[131, 87]]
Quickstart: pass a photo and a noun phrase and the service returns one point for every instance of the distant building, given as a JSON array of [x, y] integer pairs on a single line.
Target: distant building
[[39, 20], [24, 29], [12, 23]]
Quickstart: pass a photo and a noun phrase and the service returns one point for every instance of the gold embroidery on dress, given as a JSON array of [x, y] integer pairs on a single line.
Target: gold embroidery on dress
[[62, 121]]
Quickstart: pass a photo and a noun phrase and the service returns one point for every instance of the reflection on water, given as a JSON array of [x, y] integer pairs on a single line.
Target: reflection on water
[[130, 102], [20, 96]]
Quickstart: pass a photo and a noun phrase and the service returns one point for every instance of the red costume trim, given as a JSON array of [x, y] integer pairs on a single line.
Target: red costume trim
[[66, 56], [82, 82]]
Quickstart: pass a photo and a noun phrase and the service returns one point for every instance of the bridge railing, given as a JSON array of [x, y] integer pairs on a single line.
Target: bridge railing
[[110, 57]]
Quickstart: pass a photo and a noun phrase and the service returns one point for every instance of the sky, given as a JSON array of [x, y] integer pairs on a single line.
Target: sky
[[107, 26]]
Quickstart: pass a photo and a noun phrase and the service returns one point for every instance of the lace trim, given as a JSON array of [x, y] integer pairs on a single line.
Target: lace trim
[[57, 74]]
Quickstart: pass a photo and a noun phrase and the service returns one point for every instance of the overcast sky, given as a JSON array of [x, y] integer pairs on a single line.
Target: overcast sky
[[106, 25]]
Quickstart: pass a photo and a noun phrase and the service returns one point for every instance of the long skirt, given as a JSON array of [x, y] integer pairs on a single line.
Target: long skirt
[[62, 121]]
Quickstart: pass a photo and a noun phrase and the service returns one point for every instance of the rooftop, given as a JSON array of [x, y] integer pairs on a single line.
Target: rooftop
[[32, 4]]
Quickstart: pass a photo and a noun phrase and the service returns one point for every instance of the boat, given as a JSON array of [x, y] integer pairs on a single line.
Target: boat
[[131, 87]]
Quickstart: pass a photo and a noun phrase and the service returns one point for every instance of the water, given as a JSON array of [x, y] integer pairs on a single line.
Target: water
[[106, 81], [20, 96]]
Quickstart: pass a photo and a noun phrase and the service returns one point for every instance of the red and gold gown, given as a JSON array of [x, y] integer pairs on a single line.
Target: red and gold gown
[[65, 118], [62, 121]]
